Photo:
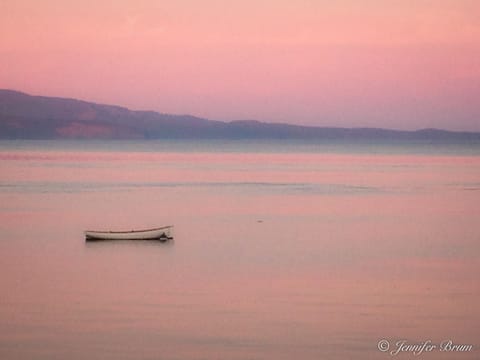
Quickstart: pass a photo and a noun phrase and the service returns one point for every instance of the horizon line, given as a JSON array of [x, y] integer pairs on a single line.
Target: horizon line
[[244, 120]]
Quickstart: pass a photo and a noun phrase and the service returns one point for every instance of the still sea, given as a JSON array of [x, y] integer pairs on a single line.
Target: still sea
[[282, 250]]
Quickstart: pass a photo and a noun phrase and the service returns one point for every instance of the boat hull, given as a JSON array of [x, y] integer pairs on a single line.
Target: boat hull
[[161, 234]]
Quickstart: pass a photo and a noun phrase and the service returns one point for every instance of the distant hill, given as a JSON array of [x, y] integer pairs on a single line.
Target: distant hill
[[23, 116]]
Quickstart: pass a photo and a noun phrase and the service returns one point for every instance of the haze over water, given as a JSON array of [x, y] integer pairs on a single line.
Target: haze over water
[[282, 250]]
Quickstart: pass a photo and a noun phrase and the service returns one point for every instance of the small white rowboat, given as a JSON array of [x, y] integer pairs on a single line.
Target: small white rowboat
[[162, 233]]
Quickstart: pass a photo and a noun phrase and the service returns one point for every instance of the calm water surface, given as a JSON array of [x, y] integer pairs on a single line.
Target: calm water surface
[[281, 250]]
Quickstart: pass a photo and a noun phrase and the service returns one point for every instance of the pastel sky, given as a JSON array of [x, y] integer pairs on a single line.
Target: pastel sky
[[404, 64]]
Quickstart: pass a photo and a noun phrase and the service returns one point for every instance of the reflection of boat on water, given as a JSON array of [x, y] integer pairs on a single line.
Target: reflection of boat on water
[[163, 233]]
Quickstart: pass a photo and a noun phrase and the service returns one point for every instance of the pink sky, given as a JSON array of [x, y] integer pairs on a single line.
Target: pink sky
[[396, 64]]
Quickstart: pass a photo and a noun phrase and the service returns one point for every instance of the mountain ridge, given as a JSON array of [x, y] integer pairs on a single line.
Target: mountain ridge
[[24, 116]]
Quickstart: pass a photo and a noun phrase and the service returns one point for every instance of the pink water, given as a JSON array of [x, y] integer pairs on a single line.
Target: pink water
[[276, 255]]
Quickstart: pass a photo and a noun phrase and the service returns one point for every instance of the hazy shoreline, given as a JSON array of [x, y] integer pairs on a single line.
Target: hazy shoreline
[[24, 116]]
